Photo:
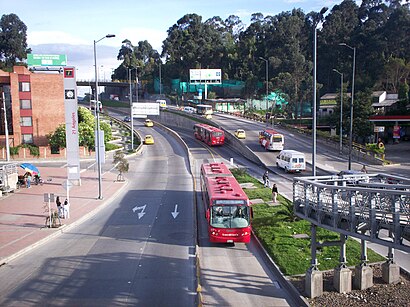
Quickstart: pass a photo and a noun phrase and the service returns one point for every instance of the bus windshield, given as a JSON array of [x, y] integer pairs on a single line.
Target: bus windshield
[[229, 216]]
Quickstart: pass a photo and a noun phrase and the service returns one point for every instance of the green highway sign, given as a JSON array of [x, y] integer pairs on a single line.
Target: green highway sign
[[46, 59]]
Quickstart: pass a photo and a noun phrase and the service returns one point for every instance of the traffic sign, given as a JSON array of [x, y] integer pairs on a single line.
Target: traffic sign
[[67, 185]]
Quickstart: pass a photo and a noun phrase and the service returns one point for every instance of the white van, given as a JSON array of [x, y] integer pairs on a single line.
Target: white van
[[291, 161]]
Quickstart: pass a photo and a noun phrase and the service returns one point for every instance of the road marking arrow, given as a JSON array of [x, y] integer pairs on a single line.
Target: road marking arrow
[[140, 214], [175, 213]]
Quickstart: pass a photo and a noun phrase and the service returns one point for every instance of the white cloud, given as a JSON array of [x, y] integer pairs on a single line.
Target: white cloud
[[53, 37]]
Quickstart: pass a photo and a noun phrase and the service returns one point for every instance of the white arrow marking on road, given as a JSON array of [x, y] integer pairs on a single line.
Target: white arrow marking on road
[[140, 214], [175, 213]]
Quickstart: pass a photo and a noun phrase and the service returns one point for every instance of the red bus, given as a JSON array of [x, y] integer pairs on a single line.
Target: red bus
[[209, 134], [271, 139], [228, 211]]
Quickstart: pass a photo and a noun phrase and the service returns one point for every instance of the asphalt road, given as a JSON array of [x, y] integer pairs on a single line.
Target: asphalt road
[[231, 274], [137, 251]]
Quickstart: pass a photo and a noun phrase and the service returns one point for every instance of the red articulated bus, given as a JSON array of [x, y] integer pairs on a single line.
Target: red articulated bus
[[228, 210], [209, 134]]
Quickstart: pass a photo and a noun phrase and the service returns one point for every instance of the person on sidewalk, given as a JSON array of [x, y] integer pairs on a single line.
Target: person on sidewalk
[[59, 207], [265, 178], [274, 192], [66, 209], [28, 180], [364, 169]]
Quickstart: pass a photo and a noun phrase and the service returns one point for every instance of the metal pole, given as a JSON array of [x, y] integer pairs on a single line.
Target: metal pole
[[314, 104], [160, 82], [341, 114], [136, 83], [97, 150], [97, 111], [351, 105], [131, 116], [351, 112], [267, 86]]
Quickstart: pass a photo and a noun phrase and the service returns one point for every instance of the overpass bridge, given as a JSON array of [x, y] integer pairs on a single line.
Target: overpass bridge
[[369, 207]]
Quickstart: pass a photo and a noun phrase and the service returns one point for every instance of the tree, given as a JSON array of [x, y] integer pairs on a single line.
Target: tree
[[86, 128], [362, 127], [13, 41]]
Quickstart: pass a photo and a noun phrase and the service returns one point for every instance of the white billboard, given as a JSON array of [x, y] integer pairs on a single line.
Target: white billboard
[[201, 76], [145, 108]]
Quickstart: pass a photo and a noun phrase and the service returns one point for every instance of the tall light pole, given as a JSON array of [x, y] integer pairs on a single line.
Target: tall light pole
[[341, 111], [314, 115], [160, 82], [131, 115], [267, 79], [351, 105], [97, 111]]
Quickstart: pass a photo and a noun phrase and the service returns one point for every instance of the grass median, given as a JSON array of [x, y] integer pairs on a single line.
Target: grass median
[[287, 238]]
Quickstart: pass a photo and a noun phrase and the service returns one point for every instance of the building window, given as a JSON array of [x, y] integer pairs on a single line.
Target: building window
[[24, 86], [27, 138], [26, 121], [25, 104]]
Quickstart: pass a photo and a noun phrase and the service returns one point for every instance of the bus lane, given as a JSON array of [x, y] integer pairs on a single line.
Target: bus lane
[[230, 274]]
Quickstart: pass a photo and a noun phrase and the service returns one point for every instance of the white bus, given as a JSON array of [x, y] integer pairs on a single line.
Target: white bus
[[204, 110], [271, 139]]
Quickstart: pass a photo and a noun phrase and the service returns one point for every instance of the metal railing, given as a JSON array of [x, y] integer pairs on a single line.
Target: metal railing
[[371, 207]]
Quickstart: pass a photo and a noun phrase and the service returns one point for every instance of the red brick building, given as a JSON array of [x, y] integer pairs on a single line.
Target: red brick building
[[34, 105]]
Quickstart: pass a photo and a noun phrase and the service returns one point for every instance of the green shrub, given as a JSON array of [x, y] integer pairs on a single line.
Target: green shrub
[[373, 147], [14, 151]]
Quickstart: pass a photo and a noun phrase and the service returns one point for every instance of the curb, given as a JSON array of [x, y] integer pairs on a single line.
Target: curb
[[64, 228]]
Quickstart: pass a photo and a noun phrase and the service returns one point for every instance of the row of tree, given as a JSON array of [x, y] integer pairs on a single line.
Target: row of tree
[[377, 30]]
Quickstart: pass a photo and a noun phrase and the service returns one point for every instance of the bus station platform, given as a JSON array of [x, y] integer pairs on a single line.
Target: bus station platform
[[23, 212]]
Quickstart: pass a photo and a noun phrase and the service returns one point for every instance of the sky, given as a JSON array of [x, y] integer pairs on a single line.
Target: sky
[[71, 27]]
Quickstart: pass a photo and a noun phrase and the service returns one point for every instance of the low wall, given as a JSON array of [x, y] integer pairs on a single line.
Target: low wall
[[45, 153], [184, 121]]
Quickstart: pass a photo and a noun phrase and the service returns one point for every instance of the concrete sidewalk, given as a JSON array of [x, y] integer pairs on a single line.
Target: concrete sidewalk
[[23, 213]]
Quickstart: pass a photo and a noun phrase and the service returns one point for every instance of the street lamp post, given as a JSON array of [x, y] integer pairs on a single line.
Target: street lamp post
[[351, 105], [131, 115], [341, 111], [160, 81], [267, 85], [97, 111], [314, 115]]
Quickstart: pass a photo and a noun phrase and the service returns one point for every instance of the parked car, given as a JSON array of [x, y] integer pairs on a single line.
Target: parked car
[[148, 123], [127, 119], [240, 134], [148, 140]]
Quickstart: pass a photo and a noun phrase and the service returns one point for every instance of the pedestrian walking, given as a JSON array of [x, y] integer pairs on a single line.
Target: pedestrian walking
[[59, 207], [265, 178], [364, 169], [28, 182], [274, 192], [66, 209]]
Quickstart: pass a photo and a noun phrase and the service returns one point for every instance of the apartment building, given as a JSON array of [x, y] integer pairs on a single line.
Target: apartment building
[[34, 105]]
